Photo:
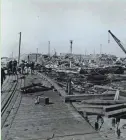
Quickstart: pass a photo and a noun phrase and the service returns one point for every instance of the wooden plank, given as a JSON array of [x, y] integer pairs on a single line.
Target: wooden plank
[[116, 113], [104, 87], [114, 107], [108, 88], [89, 96], [103, 102], [101, 110], [86, 105], [89, 109], [93, 111]]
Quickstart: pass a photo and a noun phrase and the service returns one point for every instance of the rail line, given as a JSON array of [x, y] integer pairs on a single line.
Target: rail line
[[5, 85], [6, 81], [7, 100], [9, 87]]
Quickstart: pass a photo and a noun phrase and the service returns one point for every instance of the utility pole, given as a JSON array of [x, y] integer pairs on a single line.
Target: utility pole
[[28, 58], [37, 55], [71, 42], [49, 48], [19, 48]]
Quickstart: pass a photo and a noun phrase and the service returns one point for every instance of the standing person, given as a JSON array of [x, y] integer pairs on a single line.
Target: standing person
[[10, 66], [32, 67], [15, 67], [22, 67], [27, 65], [25, 68], [2, 76]]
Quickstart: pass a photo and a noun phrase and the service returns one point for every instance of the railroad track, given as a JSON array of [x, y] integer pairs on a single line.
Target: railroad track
[[6, 85], [5, 81], [7, 101]]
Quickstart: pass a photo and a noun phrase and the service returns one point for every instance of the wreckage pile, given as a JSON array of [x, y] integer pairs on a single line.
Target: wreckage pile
[[98, 90]]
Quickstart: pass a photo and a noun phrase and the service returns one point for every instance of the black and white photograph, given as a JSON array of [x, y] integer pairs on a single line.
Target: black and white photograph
[[63, 69]]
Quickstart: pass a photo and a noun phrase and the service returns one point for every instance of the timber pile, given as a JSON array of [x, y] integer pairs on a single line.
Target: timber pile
[[94, 99], [117, 110], [35, 88]]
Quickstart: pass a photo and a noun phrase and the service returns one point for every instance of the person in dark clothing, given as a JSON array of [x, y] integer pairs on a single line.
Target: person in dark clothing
[[15, 63], [14, 67], [32, 67], [10, 66], [27, 66], [2, 76], [22, 67]]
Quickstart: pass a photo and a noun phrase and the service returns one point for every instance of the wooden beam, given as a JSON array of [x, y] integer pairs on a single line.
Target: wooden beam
[[103, 102], [104, 87], [89, 96], [114, 107], [94, 111], [115, 113], [77, 105], [122, 92], [109, 111], [89, 109]]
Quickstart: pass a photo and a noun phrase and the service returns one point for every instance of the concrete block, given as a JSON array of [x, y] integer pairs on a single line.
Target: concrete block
[[43, 100]]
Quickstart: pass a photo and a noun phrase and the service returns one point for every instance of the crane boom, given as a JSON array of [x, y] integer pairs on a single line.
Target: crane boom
[[117, 41]]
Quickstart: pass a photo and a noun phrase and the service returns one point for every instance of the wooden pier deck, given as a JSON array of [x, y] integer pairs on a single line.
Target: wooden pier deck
[[56, 121]]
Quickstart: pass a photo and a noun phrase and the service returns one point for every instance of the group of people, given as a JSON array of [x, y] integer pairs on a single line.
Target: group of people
[[26, 67], [12, 67], [23, 67]]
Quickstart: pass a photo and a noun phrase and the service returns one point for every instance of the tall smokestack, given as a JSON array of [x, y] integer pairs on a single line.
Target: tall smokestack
[[71, 42]]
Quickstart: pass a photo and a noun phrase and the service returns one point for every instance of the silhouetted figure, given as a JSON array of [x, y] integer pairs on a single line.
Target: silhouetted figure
[[98, 117], [14, 63], [19, 69], [113, 122], [96, 125], [117, 120], [10, 68], [32, 67], [22, 67], [27, 67], [3, 76], [118, 133]]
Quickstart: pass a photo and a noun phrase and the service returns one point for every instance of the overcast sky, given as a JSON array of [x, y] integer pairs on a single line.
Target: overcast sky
[[86, 22]]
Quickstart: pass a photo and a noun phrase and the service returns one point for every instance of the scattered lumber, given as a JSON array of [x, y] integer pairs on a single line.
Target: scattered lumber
[[30, 86], [109, 111]]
